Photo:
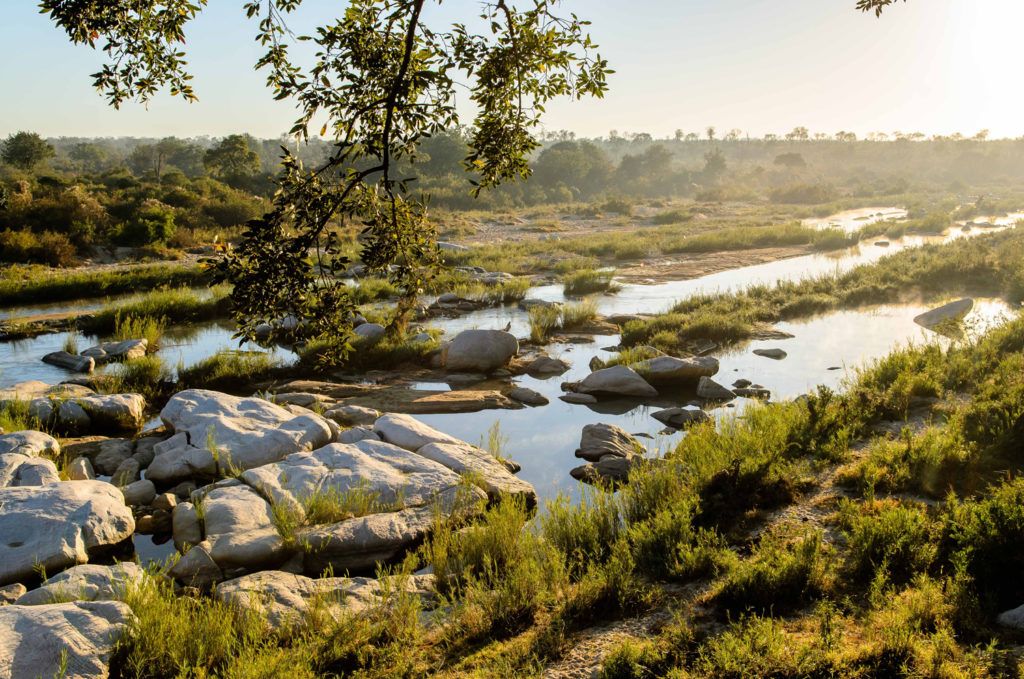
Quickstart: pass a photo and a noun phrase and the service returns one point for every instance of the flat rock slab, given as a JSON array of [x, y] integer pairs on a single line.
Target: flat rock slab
[[430, 402], [78, 637], [708, 389], [117, 351], [774, 353], [243, 432], [285, 598], [680, 417], [58, 525], [72, 362]]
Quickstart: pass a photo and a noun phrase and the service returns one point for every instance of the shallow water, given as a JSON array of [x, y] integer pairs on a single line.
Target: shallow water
[[824, 350], [544, 439], [852, 221]]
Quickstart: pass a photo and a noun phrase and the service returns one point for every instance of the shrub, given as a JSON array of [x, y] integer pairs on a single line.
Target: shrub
[[778, 578], [587, 281], [152, 224], [895, 540], [25, 247]]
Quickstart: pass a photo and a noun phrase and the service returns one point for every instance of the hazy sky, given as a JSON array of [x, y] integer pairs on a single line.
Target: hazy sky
[[935, 66]]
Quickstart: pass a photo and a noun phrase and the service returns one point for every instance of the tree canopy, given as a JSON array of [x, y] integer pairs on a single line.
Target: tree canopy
[[383, 79], [25, 150]]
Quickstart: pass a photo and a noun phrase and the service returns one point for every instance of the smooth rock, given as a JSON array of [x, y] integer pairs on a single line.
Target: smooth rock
[[578, 399], [185, 526], [370, 331], [479, 464], [1013, 618], [352, 415], [680, 417], [601, 439], [126, 472], [246, 432], [139, 493], [708, 389], [11, 593], [358, 434], [528, 396], [81, 469], [17, 470], [117, 351], [947, 313], [88, 582], [73, 640], [29, 443], [58, 525], [479, 350], [546, 365], [112, 453], [774, 353], [407, 432], [616, 381], [78, 364], [669, 369], [284, 598]]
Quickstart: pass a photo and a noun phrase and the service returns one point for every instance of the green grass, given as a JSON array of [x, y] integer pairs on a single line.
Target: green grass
[[131, 327], [229, 369], [36, 284], [987, 265], [148, 375], [180, 305], [547, 319], [588, 281]]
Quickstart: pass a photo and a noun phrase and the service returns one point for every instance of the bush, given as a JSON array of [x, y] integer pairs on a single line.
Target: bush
[[587, 281], [895, 540], [152, 224], [26, 247], [778, 578]]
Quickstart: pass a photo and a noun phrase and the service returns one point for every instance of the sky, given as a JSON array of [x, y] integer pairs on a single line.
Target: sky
[[761, 66]]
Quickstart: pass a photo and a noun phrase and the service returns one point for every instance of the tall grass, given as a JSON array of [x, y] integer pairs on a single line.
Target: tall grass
[[181, 305], [589, 281], [546, 319], [37, 284], [229, 369], [131, 327]]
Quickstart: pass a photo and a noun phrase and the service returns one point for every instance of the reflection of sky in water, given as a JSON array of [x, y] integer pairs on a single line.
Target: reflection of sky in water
[[851, 221], [543, 439]]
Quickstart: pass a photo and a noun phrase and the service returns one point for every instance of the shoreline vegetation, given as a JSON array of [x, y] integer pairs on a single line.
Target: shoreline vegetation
[[884, 578]]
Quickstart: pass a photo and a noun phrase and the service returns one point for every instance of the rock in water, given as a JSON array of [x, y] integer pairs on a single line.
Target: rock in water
[[78, 364], [599, 440], [680, 417], [78, 637], [245, 433], [669, 369], [947, 313], [479, 350], [58, 525], [616, 381], [775, 353], [546, 365], [708, 389], [117, 351], [528, 396]]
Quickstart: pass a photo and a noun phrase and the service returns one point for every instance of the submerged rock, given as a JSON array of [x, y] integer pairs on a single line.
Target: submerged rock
[[616, 381], [70, 639], [947, 313], [215, 432], [578, 399], [58, 525], [479, 350]]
